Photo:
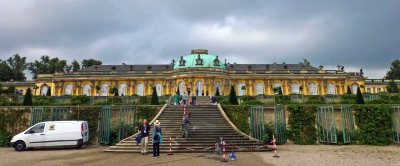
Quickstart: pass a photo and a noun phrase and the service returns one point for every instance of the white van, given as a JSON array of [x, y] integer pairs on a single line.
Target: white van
[[52, 134]]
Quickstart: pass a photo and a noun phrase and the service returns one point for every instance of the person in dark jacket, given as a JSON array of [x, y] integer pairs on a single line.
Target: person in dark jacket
[[144, 131], [185, 125]]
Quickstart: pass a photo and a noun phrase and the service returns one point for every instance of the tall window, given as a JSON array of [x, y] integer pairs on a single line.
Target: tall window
[[182, 88], [122, 89], [259, 89], [295, 88], [241, 90], [369, 90], [331, 89], [86, 89], [313, 89], [104, 90], [140, 89], [43, 90], [68, 89], [159, 89], [354, 88]]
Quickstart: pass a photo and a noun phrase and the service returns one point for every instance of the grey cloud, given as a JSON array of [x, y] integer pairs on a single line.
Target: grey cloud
[[352, 33]]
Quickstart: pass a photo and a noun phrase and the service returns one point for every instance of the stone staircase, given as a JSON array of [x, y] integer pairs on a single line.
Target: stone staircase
[[207, 124]]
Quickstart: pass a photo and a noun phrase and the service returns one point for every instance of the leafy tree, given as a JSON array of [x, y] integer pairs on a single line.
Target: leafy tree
[[18, 65], [392, 87], [114, 90], [217, 92], [359, 97], [75, 66], [177, 90], [28, 98], [232, 96], [11, 89], [97, 88], [394, 72], [90, 62], [5, 71], [48, 92], [47, 65], [348, 90], [154, 97]]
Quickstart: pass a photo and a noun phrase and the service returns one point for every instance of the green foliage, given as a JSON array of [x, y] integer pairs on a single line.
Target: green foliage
[[90, 62], [250, 100], [114, 90], [5, 71], [232, 96], [80, 100], [348, 99], [28, 98], [302, 120], [217, 92], [374, 124], [278, 90], [392, 87], [223, 100], [144, 100], [348, 90], [11, 89], [75, 66], [42, 101], [12, 121], [314, 100], [1, 89], [154, 97], [269, 132], [13, 68], [394, 72], [359, 97], [91, 115], [238, 114], [47, 65]]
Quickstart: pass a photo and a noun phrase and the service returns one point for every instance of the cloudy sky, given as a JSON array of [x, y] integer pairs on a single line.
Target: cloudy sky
[[357, 34]]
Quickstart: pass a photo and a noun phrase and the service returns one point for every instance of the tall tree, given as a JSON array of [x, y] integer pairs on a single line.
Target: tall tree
[[217, 92], [75, 66], [18, 65], [28, 98], [359, 98], [154, 97], [394, 72], [232, 96], [90, 62], [5, 71], [392, 87], [348, 90], [47, 65]]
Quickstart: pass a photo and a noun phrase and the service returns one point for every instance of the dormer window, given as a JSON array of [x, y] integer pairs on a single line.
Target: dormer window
[[216, 61], [113, 68], [199, 61], [182, 62]]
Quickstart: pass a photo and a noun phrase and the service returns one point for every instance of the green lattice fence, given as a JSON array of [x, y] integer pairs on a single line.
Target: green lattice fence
[[326, 124]]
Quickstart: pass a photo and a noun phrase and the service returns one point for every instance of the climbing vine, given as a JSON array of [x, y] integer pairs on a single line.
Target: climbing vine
[[302, 120]]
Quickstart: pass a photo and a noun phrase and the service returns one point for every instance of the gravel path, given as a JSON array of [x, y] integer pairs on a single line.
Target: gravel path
[[309, 155]]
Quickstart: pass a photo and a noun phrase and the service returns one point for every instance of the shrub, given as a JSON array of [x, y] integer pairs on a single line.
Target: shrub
[[154, 97], [359, 97], [232, 96], [302, 124], [80, 100], [238, 114], [374, 124], [28, 98]]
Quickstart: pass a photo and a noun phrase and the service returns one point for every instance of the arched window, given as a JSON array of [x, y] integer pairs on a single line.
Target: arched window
[[182, 88], [86, 89], [122, 89], [159, 89], [43, 90], [276, 85], [140, 89], [241, 89], [218, 86], [313, 89], [68, 89], [104, 90], [295, 88], [331, 89], [354, 88], [259, 89]]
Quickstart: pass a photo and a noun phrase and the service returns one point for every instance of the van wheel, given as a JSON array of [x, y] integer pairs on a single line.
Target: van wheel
[[20, 146]]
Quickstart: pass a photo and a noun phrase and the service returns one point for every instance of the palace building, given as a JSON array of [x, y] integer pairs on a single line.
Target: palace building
[[202, 72]]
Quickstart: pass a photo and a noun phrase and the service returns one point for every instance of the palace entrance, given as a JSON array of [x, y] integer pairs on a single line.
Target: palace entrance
[[199, 87]]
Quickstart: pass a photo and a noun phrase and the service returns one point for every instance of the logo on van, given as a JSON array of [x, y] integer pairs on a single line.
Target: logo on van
[[52, 127]]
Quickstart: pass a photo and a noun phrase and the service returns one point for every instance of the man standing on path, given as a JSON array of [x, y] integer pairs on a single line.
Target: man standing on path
[[184, 98], [185, 125], [144, 131]]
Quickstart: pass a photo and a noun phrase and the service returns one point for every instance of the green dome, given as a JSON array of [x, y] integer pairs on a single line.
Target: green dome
[[191, 61]]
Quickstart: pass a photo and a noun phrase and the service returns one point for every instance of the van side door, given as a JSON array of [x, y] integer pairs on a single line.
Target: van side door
[[36, 135]]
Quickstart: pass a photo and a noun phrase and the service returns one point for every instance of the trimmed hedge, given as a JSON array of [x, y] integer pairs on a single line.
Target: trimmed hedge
[[302, 121], [374, 124], [238, 114]]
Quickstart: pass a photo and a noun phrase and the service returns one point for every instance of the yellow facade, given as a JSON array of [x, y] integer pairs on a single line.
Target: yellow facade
[[206, 75]]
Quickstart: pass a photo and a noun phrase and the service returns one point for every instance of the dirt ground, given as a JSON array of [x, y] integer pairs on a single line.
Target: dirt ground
[[289, 155]]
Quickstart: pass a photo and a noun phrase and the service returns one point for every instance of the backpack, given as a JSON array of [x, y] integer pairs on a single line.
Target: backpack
[[156, 137]]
